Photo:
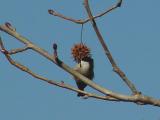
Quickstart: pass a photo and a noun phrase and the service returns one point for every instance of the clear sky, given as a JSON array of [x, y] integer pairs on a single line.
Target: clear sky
[[132, 33]]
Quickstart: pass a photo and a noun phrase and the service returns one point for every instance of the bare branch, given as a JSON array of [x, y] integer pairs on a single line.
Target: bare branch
[[53, 82], [106, 50], [111, 96], [108, 10], [61, 65], [52, 12], [49, 57], [17, 50]]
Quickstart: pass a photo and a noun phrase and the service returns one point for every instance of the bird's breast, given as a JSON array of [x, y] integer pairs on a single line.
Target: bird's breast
[[83, 67]]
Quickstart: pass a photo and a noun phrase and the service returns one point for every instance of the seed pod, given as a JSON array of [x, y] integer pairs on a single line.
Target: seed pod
[[80, 51]]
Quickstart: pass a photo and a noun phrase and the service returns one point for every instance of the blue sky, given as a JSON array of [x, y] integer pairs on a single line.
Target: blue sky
[[132, 33]]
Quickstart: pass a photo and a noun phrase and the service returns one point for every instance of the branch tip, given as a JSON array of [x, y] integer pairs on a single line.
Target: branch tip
[[55, 54], [54, 46], [9, 26], [50, 11]]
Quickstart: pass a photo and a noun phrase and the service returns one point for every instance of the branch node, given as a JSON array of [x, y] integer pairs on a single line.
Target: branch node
[[4, 51]]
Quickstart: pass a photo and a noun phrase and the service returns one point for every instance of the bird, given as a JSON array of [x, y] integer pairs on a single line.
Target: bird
[[86, 68]]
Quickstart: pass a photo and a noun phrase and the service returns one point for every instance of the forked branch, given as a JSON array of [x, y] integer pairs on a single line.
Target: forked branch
[[81, 21], [101, 40], [50, 57], [109, 95], [107, 51], [53, 82]]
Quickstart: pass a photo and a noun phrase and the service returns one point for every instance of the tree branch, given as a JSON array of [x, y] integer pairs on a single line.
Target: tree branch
[[53, 82], [54, 13], [17, 50], [50, 57], [106, 50], [111, 96]]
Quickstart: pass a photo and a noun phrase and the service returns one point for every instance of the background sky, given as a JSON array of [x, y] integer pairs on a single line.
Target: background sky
[[132, 33]]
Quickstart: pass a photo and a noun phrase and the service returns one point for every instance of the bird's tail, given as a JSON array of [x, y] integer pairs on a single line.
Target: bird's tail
[[80, 94]]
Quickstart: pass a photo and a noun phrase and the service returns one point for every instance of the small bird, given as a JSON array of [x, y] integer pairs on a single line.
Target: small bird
[[86, 68]]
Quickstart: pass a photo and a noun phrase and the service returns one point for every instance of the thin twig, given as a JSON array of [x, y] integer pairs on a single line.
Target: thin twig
[[54, 13], [17, 50], [107, 52]]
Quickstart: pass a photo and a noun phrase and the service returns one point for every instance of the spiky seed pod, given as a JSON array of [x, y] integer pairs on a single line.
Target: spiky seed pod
[[80, 51]]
